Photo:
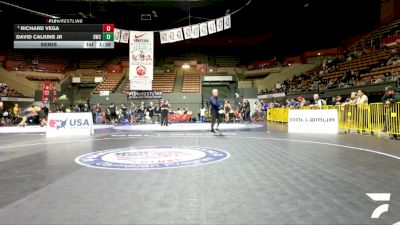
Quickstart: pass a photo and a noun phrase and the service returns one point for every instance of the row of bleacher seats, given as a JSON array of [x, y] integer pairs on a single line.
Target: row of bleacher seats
[[47, 59], [161, 82], [110, 83], [92, 63], [191, 83], [226, 61], [362, 63], [378, 34]]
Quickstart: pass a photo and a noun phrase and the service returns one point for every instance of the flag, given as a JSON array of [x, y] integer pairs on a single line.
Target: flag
[[220, 24], [203, 29], [188, 32], [211, 27], [171, 36], [227, 22], [124, 36], [164, 37], [117, 35], [178, 34], [195, 31]]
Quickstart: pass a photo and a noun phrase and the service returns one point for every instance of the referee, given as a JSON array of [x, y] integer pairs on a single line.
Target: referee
[[215, 106]]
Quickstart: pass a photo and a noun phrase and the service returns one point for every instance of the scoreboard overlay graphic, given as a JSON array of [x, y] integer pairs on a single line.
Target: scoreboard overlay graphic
[[63, 36]]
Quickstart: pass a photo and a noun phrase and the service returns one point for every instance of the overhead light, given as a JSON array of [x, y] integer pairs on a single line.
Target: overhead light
[[185, 66], [306, 5], [319, 53]]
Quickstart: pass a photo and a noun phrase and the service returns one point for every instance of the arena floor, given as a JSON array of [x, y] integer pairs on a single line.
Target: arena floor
[[267, 177]]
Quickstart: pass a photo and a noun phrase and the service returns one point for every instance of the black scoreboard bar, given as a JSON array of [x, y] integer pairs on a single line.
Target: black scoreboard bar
[[63, 36]]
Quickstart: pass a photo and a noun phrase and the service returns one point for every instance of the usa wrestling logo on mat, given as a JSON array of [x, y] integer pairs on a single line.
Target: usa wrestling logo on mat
[[146, 158]]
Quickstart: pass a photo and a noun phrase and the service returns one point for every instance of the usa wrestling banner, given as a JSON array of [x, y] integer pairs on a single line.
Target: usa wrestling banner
[[141, 59]]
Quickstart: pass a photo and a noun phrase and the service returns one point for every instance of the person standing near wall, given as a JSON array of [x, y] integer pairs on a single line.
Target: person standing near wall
[[165, 107], [215, 106], [202, 114]]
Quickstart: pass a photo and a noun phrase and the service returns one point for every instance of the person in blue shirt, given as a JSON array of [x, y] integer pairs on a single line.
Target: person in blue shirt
[[215, 106]]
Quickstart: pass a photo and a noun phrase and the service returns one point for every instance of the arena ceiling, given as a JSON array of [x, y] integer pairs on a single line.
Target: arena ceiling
[[277, 25]]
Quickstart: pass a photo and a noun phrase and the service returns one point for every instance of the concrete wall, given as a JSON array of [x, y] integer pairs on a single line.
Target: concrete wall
[[247, 93]]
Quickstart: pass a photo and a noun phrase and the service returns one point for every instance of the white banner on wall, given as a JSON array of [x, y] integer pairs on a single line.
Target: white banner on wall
[[68, 124], [141, 85], [314, 121], [124, 36], [141, 58], [117, 35]]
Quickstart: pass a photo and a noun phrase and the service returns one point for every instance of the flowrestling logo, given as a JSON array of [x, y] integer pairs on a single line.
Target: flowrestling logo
[[147, 158]]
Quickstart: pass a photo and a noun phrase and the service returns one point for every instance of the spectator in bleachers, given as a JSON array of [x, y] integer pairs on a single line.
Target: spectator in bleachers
[[318, 102], [390, 98], [362, 98], [85, 108], [8, 91], [293, 103]]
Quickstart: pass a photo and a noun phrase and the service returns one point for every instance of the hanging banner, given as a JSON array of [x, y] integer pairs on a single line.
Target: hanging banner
[[124, 36], [54, 88], [178, 34], [141, 84], [171, 36], [117, 35], [211, 27], [188, 32], [45, 92], [164, 37], [195, 31], [220, 24], [203, 29], [141, 60], [227, 22]]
